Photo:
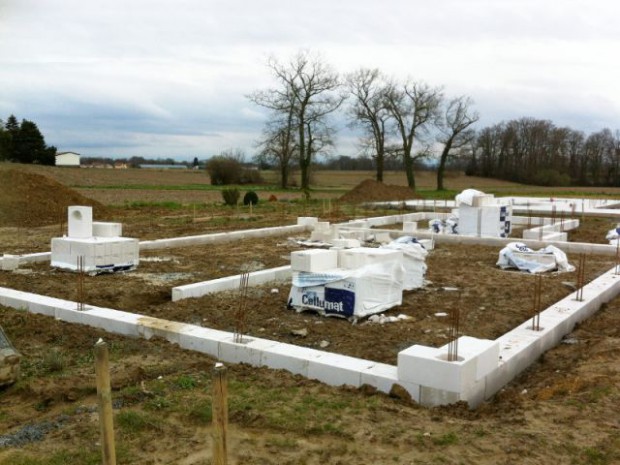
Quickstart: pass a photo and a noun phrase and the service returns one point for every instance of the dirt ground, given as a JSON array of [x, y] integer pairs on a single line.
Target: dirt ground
[[563, 410]]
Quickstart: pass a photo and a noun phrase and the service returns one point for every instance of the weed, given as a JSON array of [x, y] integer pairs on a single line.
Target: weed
[[54, 361], [158, 403], [446, 439], [201, 412], [186, 382], [595, 456], [132, 421]]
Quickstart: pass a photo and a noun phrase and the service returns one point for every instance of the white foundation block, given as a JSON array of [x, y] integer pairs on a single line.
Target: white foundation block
[[113, 321], [484, 351], [429, 367], [380, 376], [292, 358], [169, 330], [80, 222], [9, 262], [430, 396], [338, 370], [255, 278], [203, 340], [249, 350], [314, 260], [307, 220], [101, 229]]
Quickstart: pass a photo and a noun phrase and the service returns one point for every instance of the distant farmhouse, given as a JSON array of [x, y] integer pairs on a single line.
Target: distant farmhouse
[[68, 159]]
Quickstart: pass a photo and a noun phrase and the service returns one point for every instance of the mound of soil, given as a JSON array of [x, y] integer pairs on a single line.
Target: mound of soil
[[374, 191], [28, 200]]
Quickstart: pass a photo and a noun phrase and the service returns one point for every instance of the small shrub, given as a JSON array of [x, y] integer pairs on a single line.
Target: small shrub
[[54, 361], [230, 196], [250, 176], [224, 170], [186, 382], [250, 197]]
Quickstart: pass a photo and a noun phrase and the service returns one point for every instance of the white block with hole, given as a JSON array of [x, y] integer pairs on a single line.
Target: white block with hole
[[80, 222], [249, 350], [314, 260], [430, 367]]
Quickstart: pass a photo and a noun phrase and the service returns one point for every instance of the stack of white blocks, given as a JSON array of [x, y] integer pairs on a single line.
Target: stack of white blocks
[[485, 217], [98, 243], [377, 286], [324, 232]]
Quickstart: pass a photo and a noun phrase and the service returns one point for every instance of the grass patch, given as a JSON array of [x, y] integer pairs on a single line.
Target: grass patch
[[186, 382], [446, 439], [54, 361], [132, 421], [82, 456], [595, 456], [201, 412]]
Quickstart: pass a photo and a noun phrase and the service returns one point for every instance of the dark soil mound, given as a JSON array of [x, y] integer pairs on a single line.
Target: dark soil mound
[[374, 191], [30, 200]]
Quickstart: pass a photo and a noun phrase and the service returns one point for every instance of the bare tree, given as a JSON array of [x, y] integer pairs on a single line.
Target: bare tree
[[307, 90], [279, 143], [370, 111], [414, 107], [455, 131]]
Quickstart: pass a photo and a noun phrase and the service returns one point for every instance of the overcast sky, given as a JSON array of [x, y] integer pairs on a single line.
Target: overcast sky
[[153, 78]]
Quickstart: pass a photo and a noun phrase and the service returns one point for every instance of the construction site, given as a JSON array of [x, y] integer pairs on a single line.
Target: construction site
[[403, 331]]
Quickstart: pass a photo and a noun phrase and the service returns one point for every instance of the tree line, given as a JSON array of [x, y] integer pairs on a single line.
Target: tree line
[[537, 152], [397, 119], [24, 143], [403, 121]]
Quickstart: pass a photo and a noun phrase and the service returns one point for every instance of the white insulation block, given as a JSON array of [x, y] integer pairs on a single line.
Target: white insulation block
[[80, 221], [358, 257], [314, 260], [101, 229]]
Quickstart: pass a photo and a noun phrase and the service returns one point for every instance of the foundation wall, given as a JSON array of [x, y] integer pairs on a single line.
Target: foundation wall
[[483, 369]]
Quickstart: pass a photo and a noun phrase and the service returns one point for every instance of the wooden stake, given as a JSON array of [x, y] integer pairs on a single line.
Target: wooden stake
[[220, 414], [104, 396]]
